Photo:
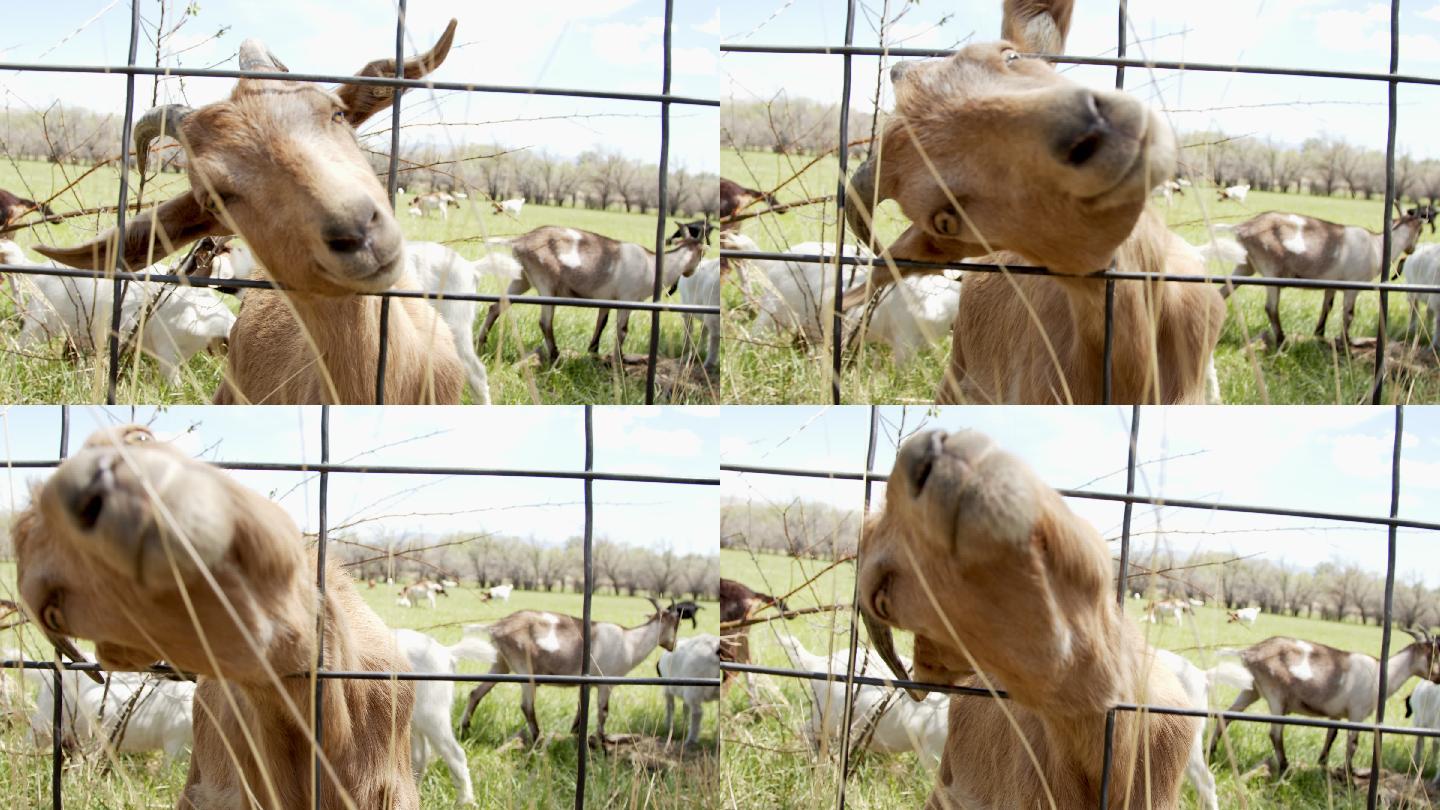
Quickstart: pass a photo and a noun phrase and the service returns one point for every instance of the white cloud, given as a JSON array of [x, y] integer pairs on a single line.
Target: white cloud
[[712, 25], [1433, 13]]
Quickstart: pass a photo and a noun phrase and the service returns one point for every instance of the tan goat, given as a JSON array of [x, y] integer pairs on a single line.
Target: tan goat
[[1003, 585], [154, 555], [279, 164], [1035, 169]]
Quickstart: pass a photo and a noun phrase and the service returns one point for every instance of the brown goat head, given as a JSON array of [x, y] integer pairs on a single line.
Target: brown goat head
[[128, 523], [279, 163], [991, 151], [971, 539]]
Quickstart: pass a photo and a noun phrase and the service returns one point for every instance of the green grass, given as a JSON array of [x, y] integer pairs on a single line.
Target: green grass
[[765, 752], [505, 775], [45, 375], [1306, 370]]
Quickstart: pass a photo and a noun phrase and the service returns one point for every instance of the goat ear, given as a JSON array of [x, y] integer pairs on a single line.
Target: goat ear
[[1037, 26], [151, 235], [364, 100]]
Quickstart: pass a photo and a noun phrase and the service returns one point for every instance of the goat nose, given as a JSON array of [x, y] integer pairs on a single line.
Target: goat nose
[[352, 235], [1087, 131]]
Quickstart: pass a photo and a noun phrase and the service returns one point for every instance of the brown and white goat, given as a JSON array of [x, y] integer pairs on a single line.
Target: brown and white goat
[[559, 261], [1005, 587], [735, 197], [1307, 678], [991, 154], [737, 603], [153, 555], [538, 642], [279, 164], [1280, 245], [12, 207]]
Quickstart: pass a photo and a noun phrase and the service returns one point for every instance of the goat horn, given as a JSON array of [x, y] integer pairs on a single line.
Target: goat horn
[[1417, 633], [883, 640], [156, 123], [255, 56], [656, 603], [859, 196]]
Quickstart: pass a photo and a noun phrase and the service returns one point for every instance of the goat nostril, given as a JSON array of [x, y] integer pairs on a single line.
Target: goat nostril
[[89, 510], [1084, 149]]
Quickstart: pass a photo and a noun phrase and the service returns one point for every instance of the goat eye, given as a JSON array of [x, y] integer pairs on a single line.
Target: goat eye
[[1011, 56], [51, 618], [338, 116], [946, 223], [139, 435], [880, 601]]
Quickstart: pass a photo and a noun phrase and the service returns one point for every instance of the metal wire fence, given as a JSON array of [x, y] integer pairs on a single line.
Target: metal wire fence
[[847, 50], [130, 70], [1129, 498], [323, 471]]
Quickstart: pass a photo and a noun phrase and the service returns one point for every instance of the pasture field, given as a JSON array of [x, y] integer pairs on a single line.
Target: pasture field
[[516, 376], [765, 751], [764, 368], [643, 774]]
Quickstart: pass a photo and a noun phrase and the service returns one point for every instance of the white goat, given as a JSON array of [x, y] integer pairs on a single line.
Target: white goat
[[501, 592], [434, 201], [702, 288], [1235, 193], [694, 657], [533, 642], [430, 732], [511, 206], [1424, 704], [1197, 687], [560, 261], [160, 719], [179, 321], [437, 270], [1245, 616], [420, 593], [886, 720], [795, 298], [1424, 268]]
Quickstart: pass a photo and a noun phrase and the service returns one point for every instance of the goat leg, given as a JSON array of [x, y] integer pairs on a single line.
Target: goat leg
[[1277, 739], [1272, 309], [547, 329], [478, 694], [602, 316], [1325, 307]]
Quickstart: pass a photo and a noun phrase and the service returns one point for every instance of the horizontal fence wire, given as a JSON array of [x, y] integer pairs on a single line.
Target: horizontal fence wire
[[323, 470], [847, 50], [131, 71], [1129, 498]]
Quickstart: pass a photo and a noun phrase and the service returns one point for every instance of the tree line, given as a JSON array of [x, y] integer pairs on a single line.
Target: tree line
[[600, 178], [529, 564], [1323, 165], [1337, 590]]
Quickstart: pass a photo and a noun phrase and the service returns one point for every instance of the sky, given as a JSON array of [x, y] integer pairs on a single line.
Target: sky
[[641, 440], [1333, 459], [1349, 35], [611, 45]]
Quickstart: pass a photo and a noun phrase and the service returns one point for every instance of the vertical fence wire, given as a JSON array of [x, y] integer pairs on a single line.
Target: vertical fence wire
[[844, 159], [1122, 579], [117, 254], [391, 183], [1387, 244], [1108, 371], [322, 543], [1374, 788], [583, 737], [57, 751], [849, 710], [664, 206]]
